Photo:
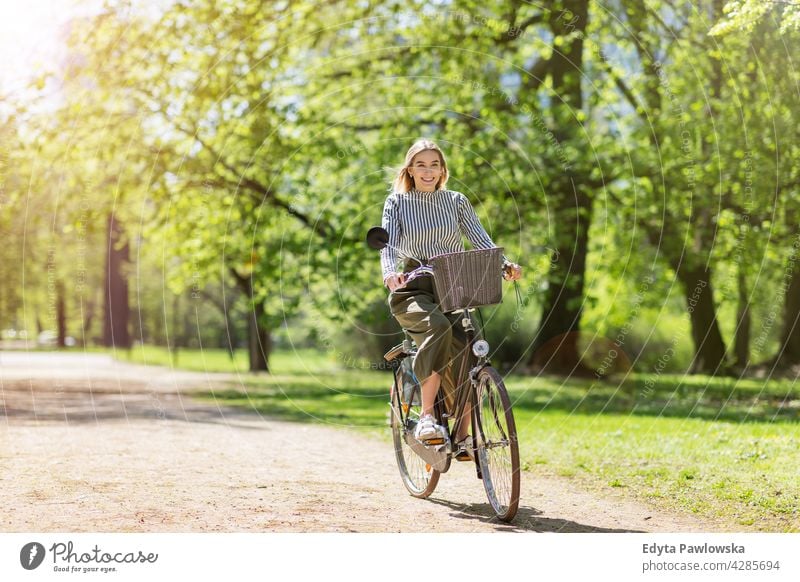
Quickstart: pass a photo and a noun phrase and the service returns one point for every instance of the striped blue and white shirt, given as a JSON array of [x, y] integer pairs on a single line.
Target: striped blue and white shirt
[[425, 224]]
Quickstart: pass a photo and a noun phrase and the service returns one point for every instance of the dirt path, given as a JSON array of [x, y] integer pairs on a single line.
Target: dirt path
[[89, 444]]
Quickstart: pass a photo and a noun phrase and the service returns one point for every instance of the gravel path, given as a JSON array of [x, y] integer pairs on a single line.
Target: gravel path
[[90, 444]]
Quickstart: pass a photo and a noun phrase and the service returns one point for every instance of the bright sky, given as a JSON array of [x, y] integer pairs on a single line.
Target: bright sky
[[32, 37], [29, 36]]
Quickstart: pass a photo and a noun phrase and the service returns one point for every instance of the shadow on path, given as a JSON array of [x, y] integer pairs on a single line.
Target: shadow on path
[[527, 519], [105, 401]]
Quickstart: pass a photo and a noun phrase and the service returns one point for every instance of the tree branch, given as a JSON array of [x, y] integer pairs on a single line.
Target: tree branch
[[536, 74], [519, 29], [317, 226]]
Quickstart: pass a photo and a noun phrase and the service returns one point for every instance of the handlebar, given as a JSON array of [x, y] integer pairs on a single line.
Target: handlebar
[[416, 273]]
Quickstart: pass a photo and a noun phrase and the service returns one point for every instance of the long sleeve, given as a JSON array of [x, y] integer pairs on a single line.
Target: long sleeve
[[470, 225], [391, 223]]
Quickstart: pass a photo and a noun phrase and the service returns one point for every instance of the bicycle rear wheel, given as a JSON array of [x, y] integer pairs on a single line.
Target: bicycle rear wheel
[[419, 478], [496, 444]]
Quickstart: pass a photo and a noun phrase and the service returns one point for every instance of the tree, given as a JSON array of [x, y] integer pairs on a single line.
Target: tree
[[771, 30], [689, 134]]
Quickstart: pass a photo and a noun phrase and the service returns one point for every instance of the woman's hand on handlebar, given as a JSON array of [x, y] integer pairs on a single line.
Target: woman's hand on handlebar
[[394, 282], [512, 272]]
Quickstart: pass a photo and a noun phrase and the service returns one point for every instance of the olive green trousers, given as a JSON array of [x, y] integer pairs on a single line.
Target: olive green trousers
[[440, 338]]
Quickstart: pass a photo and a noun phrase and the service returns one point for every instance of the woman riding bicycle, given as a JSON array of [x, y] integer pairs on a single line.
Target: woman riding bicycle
[[423, 220]]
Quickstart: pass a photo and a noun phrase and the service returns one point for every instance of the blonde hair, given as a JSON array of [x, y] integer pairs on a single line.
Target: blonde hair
[[403, 182]]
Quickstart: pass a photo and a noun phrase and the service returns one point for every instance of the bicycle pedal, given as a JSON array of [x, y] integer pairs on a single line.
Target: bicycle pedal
[[434, 442], [464, 449], [462, 456]]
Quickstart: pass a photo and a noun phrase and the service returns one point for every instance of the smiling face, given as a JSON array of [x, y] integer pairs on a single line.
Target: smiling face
[[426, 170]]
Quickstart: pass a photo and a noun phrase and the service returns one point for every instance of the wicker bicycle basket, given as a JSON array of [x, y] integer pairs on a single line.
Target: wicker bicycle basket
[[468, 279]]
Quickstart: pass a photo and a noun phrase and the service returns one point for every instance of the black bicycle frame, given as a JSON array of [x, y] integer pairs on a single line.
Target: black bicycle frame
[[465, 390]]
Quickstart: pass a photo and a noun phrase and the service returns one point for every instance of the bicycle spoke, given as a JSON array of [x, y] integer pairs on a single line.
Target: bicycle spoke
[[493, 398], [497, 446], [417, 475]]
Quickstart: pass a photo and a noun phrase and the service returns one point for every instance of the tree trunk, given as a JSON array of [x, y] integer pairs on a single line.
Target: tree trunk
[[709, 347], [789, 350], [176, 326], [228, 338], [555, 348], [260, 340], [61, 315], [117, 310], [743, 323], [87, 322]]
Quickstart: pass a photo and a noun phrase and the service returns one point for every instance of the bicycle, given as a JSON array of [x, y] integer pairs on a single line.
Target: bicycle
[[493, 445]]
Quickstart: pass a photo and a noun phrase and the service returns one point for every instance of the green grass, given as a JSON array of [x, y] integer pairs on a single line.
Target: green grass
[[714, 447], [719, 448], [216, 360]]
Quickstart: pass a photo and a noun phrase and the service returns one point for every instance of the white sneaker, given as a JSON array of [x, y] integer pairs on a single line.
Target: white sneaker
[[428, 432]]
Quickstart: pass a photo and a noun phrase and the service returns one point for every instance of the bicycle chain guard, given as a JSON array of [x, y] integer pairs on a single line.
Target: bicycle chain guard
[[437, 456]]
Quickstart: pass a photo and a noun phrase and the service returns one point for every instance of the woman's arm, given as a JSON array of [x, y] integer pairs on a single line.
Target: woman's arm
[[391, 223], [471, 226]]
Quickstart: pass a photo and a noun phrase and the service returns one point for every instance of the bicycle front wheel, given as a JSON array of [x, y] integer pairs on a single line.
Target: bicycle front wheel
[[496, 444], [419, 478]]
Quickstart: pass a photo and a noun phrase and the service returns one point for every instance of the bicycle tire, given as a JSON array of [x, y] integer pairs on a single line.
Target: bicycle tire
[[497, 447], [418, 478]]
